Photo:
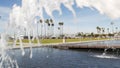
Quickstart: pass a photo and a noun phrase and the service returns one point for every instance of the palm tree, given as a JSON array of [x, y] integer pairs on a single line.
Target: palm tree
[[103, 30], [52, 27], [108, 30], [92, 35], [58, 28], [59, 31], [61, 28], [112, 24], [41, 21], [98, 29], [48, 26], [116, 29]]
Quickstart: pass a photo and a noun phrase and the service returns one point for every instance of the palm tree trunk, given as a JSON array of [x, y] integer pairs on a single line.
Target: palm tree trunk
[[37, 30], [45, 30], [41, 22], [53, 30]]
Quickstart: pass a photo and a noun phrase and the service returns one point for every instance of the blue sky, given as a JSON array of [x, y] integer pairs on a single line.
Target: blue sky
[[86, 21]]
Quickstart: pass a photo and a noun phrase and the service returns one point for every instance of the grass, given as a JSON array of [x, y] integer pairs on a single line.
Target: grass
[[44, 41], [47, 41]]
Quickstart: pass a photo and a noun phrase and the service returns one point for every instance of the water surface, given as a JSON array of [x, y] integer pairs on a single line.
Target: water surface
[[57, 58]]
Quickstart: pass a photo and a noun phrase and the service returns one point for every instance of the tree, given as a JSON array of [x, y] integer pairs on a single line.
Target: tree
[[98, 29], [111, 35], [61, 28], [108, 30], [79, 34], [52, 27], [96, 35], [103, 30], [41, 21], [116, 29], [48, 27], [112, 24], [92, 34]]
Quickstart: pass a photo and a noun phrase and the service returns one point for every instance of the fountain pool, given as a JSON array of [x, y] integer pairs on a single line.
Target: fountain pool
[[46, 57], [55, 58]]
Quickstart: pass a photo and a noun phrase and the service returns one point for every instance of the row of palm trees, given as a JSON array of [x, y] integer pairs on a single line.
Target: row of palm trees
[[47, 28], [101, 30]]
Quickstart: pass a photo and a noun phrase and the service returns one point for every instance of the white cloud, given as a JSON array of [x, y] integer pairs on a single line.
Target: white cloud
[[111, 8]]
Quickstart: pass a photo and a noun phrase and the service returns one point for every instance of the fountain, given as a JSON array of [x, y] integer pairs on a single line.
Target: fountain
[[24, 18]]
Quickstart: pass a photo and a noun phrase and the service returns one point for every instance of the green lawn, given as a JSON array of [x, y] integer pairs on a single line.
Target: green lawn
[[46, 41]]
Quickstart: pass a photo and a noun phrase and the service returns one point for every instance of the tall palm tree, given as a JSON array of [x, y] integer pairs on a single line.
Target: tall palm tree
[[52, 27], [108, 30], [92, 35], [61, 28], [48, 27], [103, 30], [112, 24], [116, 29], [98, 29], [41, 21]]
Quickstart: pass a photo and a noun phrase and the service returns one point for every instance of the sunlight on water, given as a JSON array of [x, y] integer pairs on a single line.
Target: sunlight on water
[[106, 56]]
